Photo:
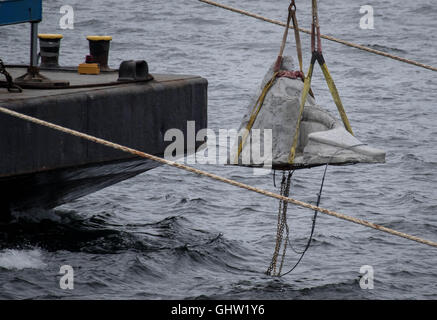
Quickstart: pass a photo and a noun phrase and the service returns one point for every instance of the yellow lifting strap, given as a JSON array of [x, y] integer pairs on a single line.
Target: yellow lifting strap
[[305, 91], [317, 55], [259, 103], [336, 97], [292, 17], [292, 10], [254, 114]]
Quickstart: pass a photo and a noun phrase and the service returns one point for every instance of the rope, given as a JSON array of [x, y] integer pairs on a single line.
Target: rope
[[215, 177], [344, 42]]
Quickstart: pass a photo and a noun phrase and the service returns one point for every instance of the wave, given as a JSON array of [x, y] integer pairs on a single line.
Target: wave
[[385, 48], [12, 259]]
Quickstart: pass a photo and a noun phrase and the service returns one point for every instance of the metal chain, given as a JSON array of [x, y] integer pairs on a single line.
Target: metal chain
[[271, 270], [284, 220], [281, 226], [12, 87]]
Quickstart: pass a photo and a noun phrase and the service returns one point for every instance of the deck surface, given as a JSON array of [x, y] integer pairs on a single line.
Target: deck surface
[[78, 79]]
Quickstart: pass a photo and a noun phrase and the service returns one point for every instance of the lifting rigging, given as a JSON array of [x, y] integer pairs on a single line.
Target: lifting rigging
[[283, 230], [283, 76]]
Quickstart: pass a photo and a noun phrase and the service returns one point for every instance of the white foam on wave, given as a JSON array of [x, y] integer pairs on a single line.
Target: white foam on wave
[[13, 259]]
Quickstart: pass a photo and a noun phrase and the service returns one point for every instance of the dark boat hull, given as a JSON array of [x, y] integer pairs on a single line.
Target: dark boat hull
[[52, 188], [41, 167]]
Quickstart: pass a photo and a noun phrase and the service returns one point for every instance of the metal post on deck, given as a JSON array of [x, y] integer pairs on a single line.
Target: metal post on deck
[[34, 45], [32, 78]]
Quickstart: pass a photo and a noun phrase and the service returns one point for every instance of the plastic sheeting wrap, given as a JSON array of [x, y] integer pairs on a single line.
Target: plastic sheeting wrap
[[322, 137]]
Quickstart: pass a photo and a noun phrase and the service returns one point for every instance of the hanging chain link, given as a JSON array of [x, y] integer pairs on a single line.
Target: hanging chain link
[[12, 87], [281, 227]]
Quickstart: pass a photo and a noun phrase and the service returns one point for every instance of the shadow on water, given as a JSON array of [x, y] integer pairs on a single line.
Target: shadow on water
[[57, 230], [5, 213], [54, 230]]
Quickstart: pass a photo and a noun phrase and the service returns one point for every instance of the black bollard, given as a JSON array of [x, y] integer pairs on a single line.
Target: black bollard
[[49, 49], [99, 50]]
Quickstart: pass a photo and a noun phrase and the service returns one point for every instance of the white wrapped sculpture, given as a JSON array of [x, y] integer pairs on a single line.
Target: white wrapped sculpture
[[321, 139]]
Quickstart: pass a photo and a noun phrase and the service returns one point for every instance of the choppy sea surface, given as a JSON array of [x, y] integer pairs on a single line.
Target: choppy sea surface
[[167, 234]]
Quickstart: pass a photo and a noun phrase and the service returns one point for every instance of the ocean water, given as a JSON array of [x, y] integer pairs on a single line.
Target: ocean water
[[167, 234]]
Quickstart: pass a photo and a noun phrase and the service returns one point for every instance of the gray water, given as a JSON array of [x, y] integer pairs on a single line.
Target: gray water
[[167, 234]]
